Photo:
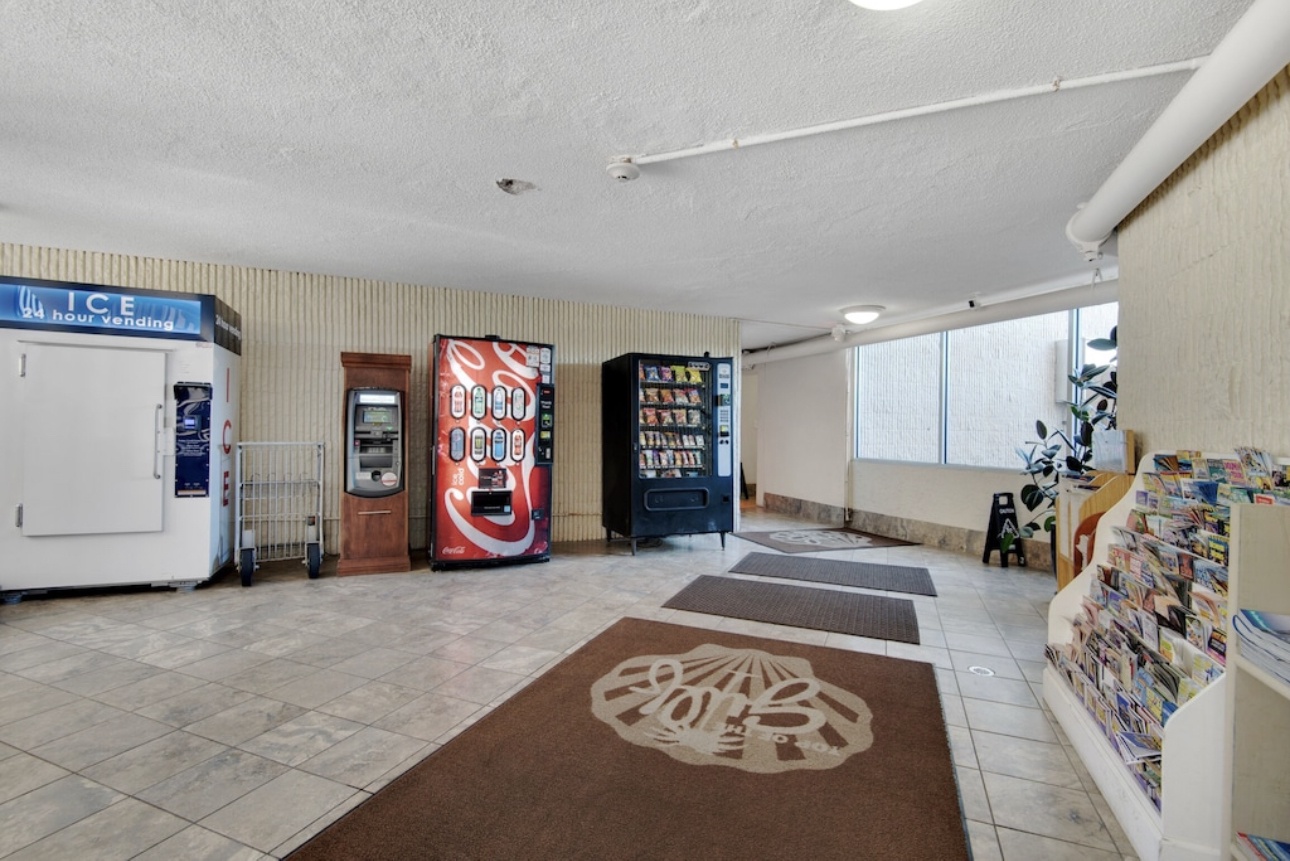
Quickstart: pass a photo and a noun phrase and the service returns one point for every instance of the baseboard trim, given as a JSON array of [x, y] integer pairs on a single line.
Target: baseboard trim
[[1038, 554], [818, 512]]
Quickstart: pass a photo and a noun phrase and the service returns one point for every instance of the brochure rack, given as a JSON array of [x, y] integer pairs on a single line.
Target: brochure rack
[[1206, 793], [1258, 702]]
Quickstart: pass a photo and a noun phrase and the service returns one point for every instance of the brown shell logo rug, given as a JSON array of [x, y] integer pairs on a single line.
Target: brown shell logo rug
[[823, 539], [742, 708]]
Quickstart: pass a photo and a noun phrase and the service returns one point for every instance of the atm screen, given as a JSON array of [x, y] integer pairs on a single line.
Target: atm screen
[[377, 415]]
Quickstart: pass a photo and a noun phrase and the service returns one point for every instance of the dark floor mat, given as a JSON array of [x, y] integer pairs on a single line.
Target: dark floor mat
[[801, 606], [665, 742], [864, 575], [815, 540]]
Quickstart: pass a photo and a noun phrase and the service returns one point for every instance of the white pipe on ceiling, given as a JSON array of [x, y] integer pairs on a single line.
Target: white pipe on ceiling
[[1046, 303], [1249, 56], [1057, 85]]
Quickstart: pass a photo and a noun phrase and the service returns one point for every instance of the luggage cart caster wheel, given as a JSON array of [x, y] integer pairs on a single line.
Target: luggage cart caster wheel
[[247, 566], [314, 560]]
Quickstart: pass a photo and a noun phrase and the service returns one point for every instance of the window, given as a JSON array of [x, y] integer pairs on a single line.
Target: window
[[971, 396], [900, 384]]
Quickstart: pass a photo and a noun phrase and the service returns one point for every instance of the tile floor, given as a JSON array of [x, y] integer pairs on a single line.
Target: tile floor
[[231, 723]]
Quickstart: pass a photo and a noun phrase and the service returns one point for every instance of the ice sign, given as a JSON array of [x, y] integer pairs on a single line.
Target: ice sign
[[98, 310]]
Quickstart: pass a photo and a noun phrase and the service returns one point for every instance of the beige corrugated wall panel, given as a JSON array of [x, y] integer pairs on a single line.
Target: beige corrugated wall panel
[[1204, 298], [296, 325]]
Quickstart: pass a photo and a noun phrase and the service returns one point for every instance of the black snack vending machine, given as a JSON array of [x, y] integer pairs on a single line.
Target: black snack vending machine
[[667, 436]]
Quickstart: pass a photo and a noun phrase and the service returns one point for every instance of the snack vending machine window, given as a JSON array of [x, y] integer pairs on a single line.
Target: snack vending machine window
[[493, 438], [668, 446]]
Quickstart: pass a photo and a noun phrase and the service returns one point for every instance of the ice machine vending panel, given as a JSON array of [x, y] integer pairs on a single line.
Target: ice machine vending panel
[[493, 438], [374, 442]]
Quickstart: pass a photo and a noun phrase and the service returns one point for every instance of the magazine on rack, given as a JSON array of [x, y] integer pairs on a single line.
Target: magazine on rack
[[1265, 640], [1258, 848], [1138, 746]]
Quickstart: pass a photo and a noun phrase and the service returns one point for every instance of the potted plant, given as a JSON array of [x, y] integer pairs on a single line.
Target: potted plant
[[1058, 453]]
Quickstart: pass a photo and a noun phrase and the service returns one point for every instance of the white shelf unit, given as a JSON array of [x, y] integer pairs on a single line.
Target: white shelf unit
[[1258, 703], [1191, 822]]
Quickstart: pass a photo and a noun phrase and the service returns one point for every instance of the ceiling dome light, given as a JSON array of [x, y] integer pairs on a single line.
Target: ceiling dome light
[[883, 5], [861, 314]]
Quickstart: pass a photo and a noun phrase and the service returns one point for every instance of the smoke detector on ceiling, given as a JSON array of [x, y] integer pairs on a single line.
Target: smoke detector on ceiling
[[623, 171]]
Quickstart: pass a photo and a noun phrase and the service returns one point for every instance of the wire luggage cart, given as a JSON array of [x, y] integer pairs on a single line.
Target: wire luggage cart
[[279, 504]]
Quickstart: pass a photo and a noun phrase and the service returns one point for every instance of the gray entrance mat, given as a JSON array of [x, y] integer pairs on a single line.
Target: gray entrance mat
[[801, 606], [865, 575]]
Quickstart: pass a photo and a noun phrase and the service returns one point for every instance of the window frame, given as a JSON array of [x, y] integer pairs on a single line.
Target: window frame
[[1071, 362]]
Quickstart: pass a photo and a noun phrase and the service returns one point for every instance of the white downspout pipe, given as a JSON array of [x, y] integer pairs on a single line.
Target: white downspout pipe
[[1058, 300], [1249, 56]]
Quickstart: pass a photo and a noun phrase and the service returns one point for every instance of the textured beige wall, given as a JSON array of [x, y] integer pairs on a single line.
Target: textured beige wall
[[804, 428], [295, 327], [1205, 292]]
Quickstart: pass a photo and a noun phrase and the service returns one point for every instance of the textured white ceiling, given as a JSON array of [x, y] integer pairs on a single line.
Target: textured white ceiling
[[365, 139]]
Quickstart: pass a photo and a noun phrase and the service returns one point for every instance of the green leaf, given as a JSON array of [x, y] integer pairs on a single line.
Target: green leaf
[[1041, 430], [1104, 344], [1032, 497], [1089, 371]]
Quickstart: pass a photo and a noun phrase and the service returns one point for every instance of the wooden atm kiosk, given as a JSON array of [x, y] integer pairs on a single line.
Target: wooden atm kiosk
[[374, 502]]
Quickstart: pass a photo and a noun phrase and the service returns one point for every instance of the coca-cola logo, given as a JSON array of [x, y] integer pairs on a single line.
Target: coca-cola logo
[[459, 550], [742, 708]]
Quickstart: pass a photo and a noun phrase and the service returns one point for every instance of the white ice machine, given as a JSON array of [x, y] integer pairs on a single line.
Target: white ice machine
[[119, 421]]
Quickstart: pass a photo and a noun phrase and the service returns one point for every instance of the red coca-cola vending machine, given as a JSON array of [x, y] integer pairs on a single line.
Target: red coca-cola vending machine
[[493, 435]]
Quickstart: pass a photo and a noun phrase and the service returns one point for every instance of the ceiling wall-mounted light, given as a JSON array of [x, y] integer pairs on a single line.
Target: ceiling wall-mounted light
[[861, 314], [884, 5]]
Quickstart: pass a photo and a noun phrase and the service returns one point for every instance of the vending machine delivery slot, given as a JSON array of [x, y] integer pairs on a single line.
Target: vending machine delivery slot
[[485, 502], [374, 444], [492, 496]]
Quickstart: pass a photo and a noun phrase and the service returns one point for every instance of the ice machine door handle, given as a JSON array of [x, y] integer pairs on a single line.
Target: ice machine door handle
[[158, 434]]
